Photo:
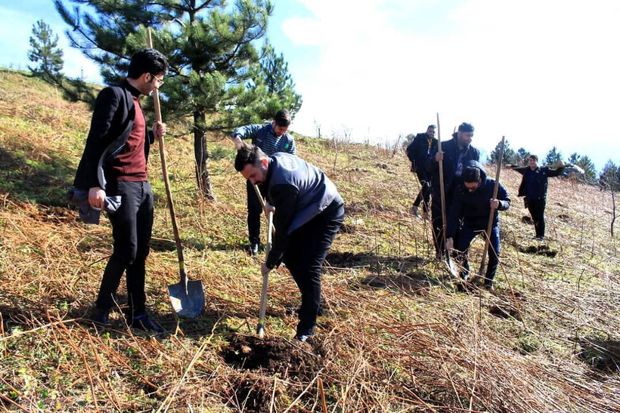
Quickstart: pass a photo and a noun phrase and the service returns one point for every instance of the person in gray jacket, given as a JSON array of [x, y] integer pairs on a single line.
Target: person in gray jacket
[[308, 213], [270, 138]]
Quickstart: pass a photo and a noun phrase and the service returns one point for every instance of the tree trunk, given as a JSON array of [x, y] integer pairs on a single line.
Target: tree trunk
[[613, 211], [201, 155]]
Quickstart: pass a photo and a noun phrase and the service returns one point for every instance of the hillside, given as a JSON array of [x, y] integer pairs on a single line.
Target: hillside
[[397, 335]]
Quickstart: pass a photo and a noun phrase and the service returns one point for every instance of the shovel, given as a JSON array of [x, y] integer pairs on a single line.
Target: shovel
[[449, 263], [187, 297]]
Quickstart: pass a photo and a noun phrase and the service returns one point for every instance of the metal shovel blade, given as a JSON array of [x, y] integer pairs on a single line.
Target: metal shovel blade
[[452, 267], [187, 302]]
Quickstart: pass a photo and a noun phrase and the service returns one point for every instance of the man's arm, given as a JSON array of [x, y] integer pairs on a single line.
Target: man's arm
[[503, 198], [292, 148], [244, 132], [455, 212], [557, 171], [283, 198], [520, 169]]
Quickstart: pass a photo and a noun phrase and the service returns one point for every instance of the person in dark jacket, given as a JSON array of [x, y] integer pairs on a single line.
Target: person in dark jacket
[[114, 163], [418, 152], [270, 138], [469, 216], [456, 152], [308, 213], [534, 188]]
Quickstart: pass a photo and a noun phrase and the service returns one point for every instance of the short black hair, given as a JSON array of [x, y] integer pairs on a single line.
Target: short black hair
[[147, 61], [466, 127], [282, 118], [534, 157], [431, 127], [248, 155], [471, 174]]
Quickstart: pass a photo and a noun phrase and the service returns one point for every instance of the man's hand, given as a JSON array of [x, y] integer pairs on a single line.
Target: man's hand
[[560, 164], [269, 209], [449, 244], [494, 203], [237, 141], [96, 197], [159, 130], [439, 156]]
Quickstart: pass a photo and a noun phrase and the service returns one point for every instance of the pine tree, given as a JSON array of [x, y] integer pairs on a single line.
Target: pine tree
[[522, 156], [585, 163], [210, 48], [510, 156], [553, 156], [45, 53]]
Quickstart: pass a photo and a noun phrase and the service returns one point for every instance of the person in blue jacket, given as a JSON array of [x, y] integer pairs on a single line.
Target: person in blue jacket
[[534, 188], [308, 213], [456, 152], [469, 216], [270, 138]]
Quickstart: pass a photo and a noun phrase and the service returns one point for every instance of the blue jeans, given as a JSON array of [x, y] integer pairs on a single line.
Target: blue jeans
[[464, 238]]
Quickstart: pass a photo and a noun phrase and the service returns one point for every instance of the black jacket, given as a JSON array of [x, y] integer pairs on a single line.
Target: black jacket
[[450, 159], [109, 130], [473, 207], [534, 182], [419, 151]]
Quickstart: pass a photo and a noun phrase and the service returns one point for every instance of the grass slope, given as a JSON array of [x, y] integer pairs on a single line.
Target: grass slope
[[397, 335]]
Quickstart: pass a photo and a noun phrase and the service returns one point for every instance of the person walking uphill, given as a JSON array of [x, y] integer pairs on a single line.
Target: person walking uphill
[[114, 163], [534, 188], [308, 213], [472, 205], [418, 152], [456, 153], [270, 138]]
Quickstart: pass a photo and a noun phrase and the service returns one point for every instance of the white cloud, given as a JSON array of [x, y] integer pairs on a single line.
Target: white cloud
[[542, 73]]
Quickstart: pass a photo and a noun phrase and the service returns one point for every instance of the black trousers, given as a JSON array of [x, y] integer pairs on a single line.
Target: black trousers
[[537, 211], [255, 211], [437, 224], [425, 191], [132, 225], [304, 257]]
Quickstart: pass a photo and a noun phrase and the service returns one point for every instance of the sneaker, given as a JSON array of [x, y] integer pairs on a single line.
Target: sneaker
[[100, 316], [145, 323], [488, 285], [302, 337], [414, 210], [253, 249]]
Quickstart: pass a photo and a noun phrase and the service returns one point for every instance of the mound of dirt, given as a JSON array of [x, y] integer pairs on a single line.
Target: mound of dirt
[[539, 250], [274, 355], [505, 310], [600, 354], [251, 393]]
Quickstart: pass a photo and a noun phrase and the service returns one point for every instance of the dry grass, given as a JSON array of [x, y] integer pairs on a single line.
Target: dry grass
[[397, 335]]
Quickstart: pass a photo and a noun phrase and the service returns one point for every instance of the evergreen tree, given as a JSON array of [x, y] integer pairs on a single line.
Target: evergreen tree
[[553, 156], [522, 156], [610, 175], [210, 48], [585, 163], [45, 53], [510, 156]]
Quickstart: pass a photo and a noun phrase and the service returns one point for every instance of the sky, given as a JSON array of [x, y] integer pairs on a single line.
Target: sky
[[542, 73]]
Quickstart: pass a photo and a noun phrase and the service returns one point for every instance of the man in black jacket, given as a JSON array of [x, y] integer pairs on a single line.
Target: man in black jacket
[[308, 213], [469, 216], [534, 188], [456, 153], [114, 163], [418, 152]]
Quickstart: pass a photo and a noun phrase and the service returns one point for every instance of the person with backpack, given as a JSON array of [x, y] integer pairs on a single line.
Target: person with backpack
[[114, 166], [308, 213], [418, 152], [533, 188], [270, 138], [469, 216], [456, 153]]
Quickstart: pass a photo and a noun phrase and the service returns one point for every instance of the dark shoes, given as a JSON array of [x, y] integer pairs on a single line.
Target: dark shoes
[[253, 249], [100, 317], [145, 323]]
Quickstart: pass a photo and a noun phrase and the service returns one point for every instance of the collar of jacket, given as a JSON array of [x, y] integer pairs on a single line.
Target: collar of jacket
[[134, 92]]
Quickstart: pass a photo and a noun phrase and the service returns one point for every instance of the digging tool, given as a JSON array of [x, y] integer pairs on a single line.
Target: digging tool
[[492, 213], [451, 267], [187, 297], [260, 328]]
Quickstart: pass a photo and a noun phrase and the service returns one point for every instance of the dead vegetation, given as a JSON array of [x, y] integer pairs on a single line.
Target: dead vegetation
[[397, 335]]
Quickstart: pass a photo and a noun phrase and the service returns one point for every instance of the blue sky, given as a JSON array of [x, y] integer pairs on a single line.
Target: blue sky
[[541, 72]]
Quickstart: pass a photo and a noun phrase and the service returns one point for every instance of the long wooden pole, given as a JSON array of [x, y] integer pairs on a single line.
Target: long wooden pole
[[492, 213], [442, 193], [164, 168]]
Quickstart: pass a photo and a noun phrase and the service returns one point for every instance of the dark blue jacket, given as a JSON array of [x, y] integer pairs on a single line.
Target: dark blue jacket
[[299, 191], [450, 163], [473, 207], [534, 182], [419, 151]]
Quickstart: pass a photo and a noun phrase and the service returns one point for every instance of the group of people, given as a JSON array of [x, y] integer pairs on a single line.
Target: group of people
[[469, 195], [308, 210]]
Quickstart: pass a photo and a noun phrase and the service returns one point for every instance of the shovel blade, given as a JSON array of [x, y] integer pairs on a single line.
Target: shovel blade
[[454, 272], [188, 303]]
